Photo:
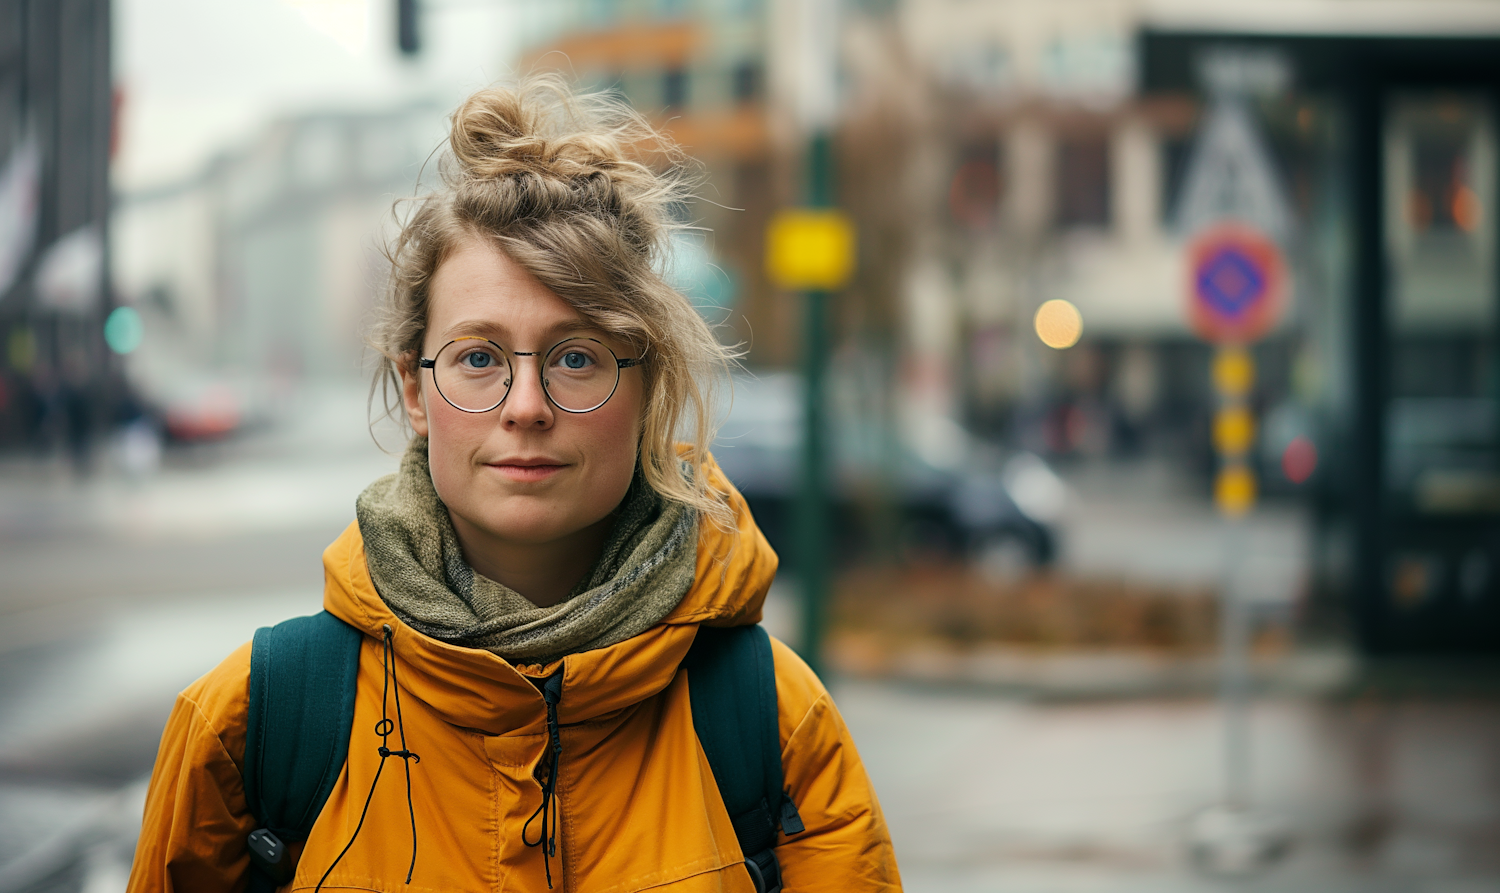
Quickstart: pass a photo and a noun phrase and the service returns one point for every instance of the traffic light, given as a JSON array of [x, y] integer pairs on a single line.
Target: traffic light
[[406, 27]]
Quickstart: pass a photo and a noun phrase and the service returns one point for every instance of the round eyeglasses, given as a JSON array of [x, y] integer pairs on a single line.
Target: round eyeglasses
[[474, 374]]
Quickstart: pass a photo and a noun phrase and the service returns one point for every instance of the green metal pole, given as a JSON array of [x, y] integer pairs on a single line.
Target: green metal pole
[[813, 521]]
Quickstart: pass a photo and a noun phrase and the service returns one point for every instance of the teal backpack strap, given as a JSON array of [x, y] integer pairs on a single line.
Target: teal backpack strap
[[732, 687], [303, 674]]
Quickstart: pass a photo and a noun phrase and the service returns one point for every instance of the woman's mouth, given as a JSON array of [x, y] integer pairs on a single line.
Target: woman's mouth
[[524, 470]]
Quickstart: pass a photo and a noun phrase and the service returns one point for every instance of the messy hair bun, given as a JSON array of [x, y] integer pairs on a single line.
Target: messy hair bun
[[582, 192], [517, 158]]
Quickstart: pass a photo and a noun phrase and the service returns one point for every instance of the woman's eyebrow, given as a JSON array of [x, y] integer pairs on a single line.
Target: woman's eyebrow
[[489, 329], [474, 327]]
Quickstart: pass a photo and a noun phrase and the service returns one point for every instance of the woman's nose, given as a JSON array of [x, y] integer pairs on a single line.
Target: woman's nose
[[526, 405]]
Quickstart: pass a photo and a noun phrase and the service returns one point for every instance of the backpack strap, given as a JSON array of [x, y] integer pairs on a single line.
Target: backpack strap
[[732, 687], [303, 674]]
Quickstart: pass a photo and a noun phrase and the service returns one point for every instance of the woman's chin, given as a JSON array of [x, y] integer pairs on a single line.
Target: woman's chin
[[520, 525]]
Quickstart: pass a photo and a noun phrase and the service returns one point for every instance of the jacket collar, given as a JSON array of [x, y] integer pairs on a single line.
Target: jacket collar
[[476, 689]]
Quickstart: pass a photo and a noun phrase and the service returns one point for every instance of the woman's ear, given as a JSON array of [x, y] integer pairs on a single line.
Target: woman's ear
[[411, 394]]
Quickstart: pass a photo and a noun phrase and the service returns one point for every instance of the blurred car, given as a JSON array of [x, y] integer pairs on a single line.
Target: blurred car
[[936, 499], [186, 395]]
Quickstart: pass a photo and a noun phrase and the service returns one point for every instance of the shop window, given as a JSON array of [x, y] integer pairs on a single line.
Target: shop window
[[1442, 197]]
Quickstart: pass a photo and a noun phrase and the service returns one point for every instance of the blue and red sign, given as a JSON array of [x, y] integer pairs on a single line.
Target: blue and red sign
[[1237, 283]]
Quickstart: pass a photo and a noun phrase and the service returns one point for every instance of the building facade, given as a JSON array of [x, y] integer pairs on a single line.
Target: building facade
[[59, 382], [258, 273]]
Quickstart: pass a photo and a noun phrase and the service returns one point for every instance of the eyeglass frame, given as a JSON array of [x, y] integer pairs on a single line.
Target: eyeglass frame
[[620, 363]]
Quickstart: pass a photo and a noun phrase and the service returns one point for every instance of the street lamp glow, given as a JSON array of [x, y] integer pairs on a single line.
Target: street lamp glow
[[123, 330], [1059, 324]]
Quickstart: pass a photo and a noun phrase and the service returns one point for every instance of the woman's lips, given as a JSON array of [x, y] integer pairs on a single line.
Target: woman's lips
[[527, 471]]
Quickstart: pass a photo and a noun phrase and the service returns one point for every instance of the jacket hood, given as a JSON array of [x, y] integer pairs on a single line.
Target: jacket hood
[[476, 689]]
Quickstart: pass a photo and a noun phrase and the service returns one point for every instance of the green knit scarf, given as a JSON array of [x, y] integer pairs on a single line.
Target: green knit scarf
[[414, 557]]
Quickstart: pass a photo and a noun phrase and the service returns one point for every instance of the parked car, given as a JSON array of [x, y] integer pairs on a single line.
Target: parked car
[[186, 396], [941, 504]]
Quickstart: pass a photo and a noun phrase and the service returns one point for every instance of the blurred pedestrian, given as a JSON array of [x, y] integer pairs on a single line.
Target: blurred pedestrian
[[530, 583]]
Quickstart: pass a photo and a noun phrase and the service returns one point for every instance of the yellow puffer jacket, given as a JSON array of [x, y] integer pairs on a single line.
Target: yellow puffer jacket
[[637, 802]]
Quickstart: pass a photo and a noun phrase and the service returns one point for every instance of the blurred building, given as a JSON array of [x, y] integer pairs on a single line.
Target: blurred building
[[700, 71], [1377, 127], [1385, 129], [258, 272], [999, 155], [58, 380], [994, 155], [1065, 132]]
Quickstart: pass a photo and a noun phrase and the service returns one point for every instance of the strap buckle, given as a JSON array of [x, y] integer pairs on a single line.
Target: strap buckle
[[765, 871], [271, 856]]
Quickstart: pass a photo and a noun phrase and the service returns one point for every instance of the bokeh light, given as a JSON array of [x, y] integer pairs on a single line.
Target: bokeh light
[[1059, 324], [123, 330], [1299, 460], [1466, 209]]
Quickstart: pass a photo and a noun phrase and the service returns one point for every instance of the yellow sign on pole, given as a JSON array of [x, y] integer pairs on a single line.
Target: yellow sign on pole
[[1234, 431], [1234, 490], [1233, 372], [810, 250]]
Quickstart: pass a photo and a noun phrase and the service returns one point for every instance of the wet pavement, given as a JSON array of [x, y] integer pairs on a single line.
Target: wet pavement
[[117, 592], [984, 793]]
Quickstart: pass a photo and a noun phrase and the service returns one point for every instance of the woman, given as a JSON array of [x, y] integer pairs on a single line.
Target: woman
[[539, 566]]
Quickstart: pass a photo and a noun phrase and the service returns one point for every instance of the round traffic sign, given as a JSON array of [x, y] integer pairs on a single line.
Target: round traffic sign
[[1236, 283]]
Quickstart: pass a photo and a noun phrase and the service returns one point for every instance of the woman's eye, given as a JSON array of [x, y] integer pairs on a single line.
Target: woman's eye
[[478, 360], [574, 359]]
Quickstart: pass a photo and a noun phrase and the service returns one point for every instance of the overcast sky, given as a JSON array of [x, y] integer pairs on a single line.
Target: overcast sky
[[199, 75]]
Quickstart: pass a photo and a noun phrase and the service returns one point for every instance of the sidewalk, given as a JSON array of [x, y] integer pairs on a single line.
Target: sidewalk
[[998, 794]]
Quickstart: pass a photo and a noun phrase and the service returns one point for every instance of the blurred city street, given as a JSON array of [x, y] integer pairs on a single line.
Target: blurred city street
[[120, 591], [1078, 340]]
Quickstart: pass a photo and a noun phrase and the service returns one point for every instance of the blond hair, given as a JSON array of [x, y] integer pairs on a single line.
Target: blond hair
[[580, 191]]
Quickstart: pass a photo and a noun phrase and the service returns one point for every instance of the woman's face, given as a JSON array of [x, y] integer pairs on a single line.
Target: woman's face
[[524, 473]]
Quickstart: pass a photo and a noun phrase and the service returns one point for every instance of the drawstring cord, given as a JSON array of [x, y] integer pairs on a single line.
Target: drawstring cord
[[406, 755], [384, 729], [551, 694]]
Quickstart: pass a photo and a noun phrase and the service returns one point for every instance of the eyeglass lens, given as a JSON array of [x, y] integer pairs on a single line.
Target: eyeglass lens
[[474, 374]]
